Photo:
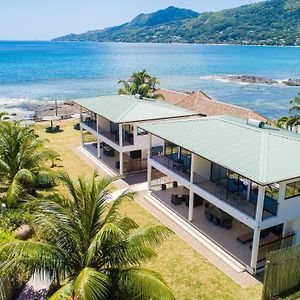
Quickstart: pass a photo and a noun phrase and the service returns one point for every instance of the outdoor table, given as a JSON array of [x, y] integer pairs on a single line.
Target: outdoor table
[[51, 119]]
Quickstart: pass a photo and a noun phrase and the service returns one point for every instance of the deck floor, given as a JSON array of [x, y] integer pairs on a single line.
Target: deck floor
[[226, 238]]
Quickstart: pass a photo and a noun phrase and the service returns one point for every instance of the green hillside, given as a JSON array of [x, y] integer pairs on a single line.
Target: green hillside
[[274, 22]]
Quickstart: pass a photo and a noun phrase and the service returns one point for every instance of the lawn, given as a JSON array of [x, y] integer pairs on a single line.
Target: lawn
[[188, 273]]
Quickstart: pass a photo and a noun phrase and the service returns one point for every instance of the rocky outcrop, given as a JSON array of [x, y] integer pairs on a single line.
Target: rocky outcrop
[[250, 79]]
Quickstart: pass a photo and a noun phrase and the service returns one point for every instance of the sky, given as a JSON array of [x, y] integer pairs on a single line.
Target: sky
[[46, 19]]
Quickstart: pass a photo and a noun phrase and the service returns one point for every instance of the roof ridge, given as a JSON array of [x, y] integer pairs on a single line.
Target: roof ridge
[[129, 108]]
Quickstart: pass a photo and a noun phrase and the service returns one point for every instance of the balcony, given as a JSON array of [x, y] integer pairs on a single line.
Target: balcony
[[113, 135], [174, 165], [237, 199], [90, 123]]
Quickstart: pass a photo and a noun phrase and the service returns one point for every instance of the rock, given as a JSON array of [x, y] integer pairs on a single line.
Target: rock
[[24, 232], [292, 82]]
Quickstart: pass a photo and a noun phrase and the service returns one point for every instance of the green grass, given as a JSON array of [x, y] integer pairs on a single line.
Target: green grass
[[187, 272]]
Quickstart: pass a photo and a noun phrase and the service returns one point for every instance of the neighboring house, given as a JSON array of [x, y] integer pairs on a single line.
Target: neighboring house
[[203, 104], [240, 183], [113, 122]]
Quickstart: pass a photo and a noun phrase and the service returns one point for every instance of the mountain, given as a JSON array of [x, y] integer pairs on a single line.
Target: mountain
[[274, 22]]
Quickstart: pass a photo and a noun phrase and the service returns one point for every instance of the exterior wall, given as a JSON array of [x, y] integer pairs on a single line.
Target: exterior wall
[[156, 141], [202, 166], [288, 212]]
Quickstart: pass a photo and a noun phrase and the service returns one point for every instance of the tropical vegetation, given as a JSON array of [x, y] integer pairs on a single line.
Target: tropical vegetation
[[90, 250], [288, 122], [23, 158], [141, 83], [274, 22]]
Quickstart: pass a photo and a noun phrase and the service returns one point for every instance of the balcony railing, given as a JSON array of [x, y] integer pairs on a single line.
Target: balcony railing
[[90, 123], [236, 199], [174, 165], [114, 136]]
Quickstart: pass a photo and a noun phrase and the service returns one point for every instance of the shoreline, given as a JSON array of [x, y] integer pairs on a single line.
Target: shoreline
[[175, 43]]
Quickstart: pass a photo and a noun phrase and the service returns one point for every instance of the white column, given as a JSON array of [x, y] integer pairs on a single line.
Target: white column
[[80, 118], [98, 148], [97, 123], [191, 198], [258, 219], [149, 167], [81, 130], [121, 135], [81, 135], [121, 163], [248, 190]]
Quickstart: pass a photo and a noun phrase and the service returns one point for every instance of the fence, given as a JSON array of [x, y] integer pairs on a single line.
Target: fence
[[282, 273]]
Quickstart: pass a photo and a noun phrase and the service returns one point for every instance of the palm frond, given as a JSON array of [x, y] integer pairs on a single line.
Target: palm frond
[[91, 285], [31, 257], [138, 283]]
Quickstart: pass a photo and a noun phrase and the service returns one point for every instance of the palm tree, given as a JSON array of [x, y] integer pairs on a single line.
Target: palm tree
[[90, 250], [140, 83], [22, 161], [295, 103], [54, 157]]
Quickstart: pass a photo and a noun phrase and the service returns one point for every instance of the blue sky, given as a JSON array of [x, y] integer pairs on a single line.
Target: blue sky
[[46, 19]]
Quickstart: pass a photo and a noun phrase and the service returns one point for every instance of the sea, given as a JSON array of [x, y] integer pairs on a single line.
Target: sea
[[43, 71]]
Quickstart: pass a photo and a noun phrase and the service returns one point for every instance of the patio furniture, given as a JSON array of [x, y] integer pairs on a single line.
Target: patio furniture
[[108, 151], [198, 201], [209, 216], [185, 198], [175, 184], [163, 187], [245, 238], [76, 126], [227, 223], [175, 199], [117, 165]]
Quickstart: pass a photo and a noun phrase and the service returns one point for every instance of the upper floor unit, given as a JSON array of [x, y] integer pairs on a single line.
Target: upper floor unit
[[233, 164], [115, 118]]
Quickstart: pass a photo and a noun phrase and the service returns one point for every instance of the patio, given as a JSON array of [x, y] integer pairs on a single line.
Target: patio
[[226, 238], [111, 158]]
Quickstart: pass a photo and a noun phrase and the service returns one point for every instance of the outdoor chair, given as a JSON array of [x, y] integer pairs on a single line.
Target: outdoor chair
[[198, 201], [185, 198], [208, 216], [175, 199], [227, 223]]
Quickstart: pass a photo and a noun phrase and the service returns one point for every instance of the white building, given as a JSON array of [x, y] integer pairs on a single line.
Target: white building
[[113, 122], [237, 183]]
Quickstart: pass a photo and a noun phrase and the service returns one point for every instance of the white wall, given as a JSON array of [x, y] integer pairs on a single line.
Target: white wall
[[202, 166], [288, 213]]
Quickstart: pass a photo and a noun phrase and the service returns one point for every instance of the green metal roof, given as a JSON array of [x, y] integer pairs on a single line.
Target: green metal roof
[[264, 155], [125, 109]]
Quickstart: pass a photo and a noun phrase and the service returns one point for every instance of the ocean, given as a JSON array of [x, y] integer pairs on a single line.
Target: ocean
[[67, 70]]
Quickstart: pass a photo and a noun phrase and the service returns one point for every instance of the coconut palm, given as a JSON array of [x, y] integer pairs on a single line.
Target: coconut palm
[[54, 157], [22, 161], [140, 83], [295, 103], [89, 249]]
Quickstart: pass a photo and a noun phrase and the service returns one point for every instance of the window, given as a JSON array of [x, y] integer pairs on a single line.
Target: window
[[292, 190], [141, 131]]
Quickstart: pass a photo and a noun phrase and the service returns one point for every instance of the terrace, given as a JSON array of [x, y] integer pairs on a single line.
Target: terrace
[[218, 181]]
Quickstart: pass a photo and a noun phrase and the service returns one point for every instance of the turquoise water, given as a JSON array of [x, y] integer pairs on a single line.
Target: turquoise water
[[65, 70]]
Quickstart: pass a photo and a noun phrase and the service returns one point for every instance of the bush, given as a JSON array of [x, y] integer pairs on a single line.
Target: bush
[[6, 236], [14, 218]]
